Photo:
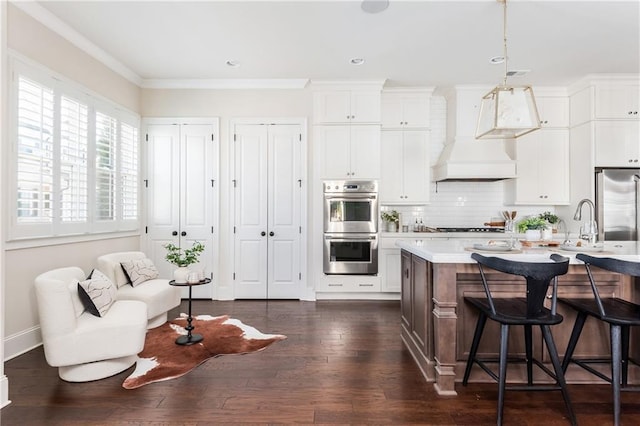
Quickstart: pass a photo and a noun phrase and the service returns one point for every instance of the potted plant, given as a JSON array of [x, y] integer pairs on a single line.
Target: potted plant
[[552, 219], [392, 218], [182, 259], [532, 227]]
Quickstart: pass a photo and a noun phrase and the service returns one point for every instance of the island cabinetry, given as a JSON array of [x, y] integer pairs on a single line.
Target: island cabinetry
[[416, 307], [405, 177], [405, 110]]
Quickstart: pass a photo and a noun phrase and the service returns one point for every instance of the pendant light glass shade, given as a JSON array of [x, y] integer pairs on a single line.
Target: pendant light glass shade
[[507, 112]]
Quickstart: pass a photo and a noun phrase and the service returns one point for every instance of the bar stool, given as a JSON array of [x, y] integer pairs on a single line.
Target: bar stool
[[619, 314], [527, 311]]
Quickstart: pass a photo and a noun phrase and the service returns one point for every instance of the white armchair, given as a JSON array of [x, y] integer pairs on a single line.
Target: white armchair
[[159, 296], [85, 347]]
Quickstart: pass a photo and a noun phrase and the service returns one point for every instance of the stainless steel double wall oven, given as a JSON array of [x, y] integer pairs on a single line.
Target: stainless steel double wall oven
[[351, 227]]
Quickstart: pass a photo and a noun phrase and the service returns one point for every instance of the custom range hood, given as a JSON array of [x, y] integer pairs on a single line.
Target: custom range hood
[[464, 158]]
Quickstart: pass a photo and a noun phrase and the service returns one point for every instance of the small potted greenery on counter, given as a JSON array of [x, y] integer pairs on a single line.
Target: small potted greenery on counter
[[392, 218], [532, 227], [552, 219]]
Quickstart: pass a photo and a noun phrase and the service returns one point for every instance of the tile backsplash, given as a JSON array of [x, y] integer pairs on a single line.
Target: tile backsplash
[[459, 204]]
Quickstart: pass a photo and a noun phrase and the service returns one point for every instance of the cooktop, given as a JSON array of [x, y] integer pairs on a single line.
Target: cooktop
[[478, 229]]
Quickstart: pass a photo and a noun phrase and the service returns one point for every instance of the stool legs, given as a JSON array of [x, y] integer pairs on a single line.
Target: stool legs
[[573, 340], [555, 360], [616, 373], [482, 320], [504, 346], [529, 353]]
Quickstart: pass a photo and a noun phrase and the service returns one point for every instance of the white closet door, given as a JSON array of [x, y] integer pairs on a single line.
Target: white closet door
[[163, 193], [180, 195], [196, 204], [250, 151], [267, 211], [283, 212]]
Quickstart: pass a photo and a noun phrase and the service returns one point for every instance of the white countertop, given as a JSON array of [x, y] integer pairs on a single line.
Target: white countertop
[[454, 250]]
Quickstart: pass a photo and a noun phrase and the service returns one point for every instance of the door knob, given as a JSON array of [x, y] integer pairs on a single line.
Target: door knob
[[174, 233], [183, 233], [271, 234], [263, 233]]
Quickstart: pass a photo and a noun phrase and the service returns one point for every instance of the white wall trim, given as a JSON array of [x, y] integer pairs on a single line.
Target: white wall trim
[[4, 381], [49, 20], [4, 392], [213, 83], [22, 342]]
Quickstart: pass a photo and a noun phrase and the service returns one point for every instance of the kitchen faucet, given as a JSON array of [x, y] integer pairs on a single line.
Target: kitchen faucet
[[589, 230]]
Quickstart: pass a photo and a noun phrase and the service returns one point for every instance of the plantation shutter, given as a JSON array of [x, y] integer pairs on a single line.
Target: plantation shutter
[[34, 166], [129, 171], [73, 161], [106, 137]]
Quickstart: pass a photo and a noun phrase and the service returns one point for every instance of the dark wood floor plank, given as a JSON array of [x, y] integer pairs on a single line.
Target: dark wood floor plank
[[342, 363]]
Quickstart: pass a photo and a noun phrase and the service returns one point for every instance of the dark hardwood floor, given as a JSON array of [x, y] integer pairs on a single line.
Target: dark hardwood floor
[[342, 363]]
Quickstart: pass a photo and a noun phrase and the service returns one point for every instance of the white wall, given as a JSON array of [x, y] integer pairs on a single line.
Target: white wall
[[23, 261]]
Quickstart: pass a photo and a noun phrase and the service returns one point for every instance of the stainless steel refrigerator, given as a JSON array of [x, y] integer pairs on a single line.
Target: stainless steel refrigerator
[[617, 203]]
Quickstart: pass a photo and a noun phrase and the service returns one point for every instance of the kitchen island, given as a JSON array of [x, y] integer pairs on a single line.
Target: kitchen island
[[437, 325]]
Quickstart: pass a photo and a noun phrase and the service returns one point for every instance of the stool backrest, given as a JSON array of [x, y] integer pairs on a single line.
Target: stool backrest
[[538, 276], [608, 264]]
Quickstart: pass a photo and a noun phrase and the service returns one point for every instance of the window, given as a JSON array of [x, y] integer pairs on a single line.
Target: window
[[76, 163]]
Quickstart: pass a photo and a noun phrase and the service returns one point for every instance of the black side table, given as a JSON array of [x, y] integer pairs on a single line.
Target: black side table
[[190, 338]]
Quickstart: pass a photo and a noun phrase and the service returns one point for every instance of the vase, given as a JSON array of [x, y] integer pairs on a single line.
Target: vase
[[180, 275], [532, 235], [392, 227]]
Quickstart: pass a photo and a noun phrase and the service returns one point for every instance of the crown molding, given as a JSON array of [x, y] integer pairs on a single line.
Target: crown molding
[[222, 83], [49, 20]]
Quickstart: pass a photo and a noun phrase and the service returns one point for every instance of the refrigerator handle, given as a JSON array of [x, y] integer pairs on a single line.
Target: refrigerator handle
[[600, 203]]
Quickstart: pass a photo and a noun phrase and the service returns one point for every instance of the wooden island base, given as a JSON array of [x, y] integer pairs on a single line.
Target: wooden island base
[[438, 327]]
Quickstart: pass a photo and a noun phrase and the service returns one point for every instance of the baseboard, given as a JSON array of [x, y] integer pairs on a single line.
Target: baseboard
[[4, 392], [22, 342], [357, 296]]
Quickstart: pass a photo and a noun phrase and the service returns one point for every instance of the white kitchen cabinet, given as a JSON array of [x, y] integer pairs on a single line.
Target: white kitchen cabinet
[[405, 110], [405, 171], [348, 152], [349, 284], [553, 111], [617, 101], [389, 261], [346, 106], [181, 193], [543, 169], [617, 143]]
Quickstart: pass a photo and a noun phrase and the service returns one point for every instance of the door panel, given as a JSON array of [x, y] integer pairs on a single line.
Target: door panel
[[267, 199]]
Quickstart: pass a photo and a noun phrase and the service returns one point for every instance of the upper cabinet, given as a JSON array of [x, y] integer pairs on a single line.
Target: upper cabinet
[[346, 103], [617, 143], [405, 177], [617, 101], [348, 152], [406, 109], [553, 111]]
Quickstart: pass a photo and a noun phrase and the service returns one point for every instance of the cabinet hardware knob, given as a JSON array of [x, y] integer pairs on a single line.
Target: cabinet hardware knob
[[183, 233], [174, 233], [263, 233], [271, 234]]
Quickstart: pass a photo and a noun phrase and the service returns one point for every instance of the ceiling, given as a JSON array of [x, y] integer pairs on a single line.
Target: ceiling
[[411, 43]]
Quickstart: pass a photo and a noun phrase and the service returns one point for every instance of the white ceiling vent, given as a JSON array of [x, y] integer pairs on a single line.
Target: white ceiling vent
[[517, 73]]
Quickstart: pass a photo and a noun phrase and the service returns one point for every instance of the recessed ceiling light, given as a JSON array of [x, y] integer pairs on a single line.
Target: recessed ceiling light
[[232, 63], [496, 60], [356, 61], [374, 6]]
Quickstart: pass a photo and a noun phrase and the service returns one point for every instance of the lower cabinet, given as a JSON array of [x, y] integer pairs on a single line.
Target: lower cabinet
[[416, 307], [349, 284]]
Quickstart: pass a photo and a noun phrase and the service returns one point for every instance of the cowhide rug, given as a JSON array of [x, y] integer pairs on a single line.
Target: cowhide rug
[[162, 359]]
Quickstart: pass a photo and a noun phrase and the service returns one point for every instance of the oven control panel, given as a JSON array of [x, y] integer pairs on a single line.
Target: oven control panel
[[348, 186]]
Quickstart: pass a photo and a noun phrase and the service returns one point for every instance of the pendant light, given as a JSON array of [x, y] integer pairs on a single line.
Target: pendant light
[[507, 111]]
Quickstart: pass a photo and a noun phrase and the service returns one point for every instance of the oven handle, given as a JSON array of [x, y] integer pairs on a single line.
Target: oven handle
[[353, 238], [351, 197]]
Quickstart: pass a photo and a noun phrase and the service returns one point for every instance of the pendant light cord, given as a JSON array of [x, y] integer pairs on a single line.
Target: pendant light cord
[[504, 36]]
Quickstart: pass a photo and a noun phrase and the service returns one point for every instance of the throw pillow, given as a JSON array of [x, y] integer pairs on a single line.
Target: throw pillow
[[97, 293], [139, 271]]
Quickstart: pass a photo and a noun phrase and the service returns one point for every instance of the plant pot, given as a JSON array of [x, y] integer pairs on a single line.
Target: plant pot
[[532, 235], [392, 227], [180, 275]]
